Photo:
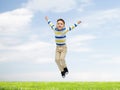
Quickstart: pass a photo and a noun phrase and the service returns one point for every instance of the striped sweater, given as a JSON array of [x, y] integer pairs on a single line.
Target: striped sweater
[[60, 35]]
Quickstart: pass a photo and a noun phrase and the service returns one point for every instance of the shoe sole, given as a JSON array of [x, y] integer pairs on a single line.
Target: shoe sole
[[66, 73]]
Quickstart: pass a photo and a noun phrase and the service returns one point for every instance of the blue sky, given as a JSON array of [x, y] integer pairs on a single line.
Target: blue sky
[[27, 46]]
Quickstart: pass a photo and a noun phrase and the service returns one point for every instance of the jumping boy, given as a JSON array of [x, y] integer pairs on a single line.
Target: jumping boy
[[60, 38]]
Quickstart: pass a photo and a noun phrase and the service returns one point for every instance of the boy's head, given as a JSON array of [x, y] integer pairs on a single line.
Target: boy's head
[[60, 24]]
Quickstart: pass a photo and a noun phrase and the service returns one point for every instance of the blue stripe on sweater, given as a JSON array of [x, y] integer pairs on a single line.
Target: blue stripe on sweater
[[75, 25], [52, 26], [70, 28], [60, 36], [49, 22], [60, 44]]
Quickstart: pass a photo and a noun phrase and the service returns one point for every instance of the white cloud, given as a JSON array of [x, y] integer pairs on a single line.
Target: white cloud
[[14, 21], [33, 76], [55, 76], [36, 52], [57, 5], [31, 46], [96, 56], [84, 4], [22, 46], [7, 40], [99, 18], [95, 76], [112, 60], [82, 38], [79, 43], [105, 59], [46, 59], [54, 5]]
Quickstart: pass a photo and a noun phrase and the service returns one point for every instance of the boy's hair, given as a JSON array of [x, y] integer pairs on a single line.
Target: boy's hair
[[61, 20]]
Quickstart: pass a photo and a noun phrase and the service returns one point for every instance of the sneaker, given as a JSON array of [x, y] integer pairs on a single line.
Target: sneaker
[[63, 74], [66, 70]]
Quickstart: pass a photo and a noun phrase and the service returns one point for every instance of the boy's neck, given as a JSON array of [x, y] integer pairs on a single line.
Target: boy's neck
[[61, 29]]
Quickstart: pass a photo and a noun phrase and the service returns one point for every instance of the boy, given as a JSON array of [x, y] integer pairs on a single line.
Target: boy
[[60, 37]]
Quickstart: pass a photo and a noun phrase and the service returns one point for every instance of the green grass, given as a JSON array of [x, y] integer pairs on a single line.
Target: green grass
[[59, 85]]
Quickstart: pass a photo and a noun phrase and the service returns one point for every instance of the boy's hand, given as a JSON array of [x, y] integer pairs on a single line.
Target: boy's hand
[[46, 18], [79, 22]]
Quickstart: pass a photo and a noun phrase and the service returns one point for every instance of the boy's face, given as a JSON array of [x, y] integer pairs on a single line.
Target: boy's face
[[60, 25]]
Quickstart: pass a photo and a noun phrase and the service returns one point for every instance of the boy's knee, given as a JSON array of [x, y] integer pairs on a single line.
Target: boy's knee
[[62, 59]]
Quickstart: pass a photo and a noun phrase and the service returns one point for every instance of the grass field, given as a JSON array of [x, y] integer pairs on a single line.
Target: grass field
[[59, 85]]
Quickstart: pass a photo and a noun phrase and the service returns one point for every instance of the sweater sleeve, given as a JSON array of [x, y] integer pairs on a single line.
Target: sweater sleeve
[[70, 28], [51, 25]]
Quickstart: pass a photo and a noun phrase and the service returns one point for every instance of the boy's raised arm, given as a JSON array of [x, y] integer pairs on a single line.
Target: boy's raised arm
[[74, 25], [50, 23]]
